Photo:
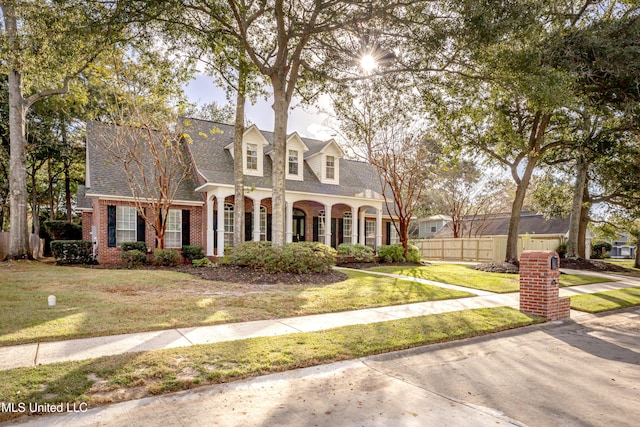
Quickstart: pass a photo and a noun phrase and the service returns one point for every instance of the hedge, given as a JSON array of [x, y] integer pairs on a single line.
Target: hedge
[[359, 252], [298, 257], [192, 252], [130, 246], [72, 252]]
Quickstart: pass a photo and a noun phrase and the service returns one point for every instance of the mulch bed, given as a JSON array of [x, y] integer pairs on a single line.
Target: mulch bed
[[574, 264]]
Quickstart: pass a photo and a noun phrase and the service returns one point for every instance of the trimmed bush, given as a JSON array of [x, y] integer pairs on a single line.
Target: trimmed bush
[[192, 252], [166, 257], [359, 252], [391, 253], [202, 262], [600, 249], [130, 246], [72, 252], [133, 257], [394, 253], [413, 254], [299, 257]]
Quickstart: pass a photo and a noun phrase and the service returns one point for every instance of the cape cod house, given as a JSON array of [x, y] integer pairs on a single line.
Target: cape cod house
[[329, 199]]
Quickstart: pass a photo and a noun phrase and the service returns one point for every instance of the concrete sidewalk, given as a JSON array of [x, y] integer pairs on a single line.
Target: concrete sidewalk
[[79, 349]]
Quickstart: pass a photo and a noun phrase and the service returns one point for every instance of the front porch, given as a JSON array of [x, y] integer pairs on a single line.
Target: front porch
[[310, 218]]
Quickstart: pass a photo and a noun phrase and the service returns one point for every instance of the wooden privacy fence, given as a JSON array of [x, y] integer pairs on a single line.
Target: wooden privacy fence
[[482, 249], [35, 243]]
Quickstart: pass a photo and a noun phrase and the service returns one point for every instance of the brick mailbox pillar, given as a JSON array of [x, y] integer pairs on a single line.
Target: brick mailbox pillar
[[539, 291]]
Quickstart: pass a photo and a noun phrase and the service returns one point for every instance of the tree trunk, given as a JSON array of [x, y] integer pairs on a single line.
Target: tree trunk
[[35, 212], [516, 208], [18, 229], [238, 176], [584, 222], [66, 161], [636, 264], [573, 243], [280, 107]]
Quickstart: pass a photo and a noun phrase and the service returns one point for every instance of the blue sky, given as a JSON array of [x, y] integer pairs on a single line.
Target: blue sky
[[308, 122]]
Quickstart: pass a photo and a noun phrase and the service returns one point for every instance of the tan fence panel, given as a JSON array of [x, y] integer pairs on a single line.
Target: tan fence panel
[[36, 244], [483, 249]]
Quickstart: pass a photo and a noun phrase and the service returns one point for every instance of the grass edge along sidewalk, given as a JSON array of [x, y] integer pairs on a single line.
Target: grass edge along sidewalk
[[135, 375], [606, 301]]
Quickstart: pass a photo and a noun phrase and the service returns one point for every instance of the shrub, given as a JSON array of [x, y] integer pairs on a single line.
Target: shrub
[[413, 254], [600, 249], [72, 252], [359, 252], [391, 253], [166, 257], [299, 257], [134, 257], [130, 246], [202, 262], [562, 250], [394, 253], [192, 252]]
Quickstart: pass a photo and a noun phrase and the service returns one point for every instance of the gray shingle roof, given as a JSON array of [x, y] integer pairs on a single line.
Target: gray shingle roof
[[498, 225], [107, 177], [216, 164], [82, 202]]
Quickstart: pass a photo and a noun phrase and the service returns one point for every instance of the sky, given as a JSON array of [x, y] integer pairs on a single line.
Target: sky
[[308, 121]]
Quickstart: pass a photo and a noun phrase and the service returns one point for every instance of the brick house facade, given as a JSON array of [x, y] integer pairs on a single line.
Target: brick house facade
[[329, 199]]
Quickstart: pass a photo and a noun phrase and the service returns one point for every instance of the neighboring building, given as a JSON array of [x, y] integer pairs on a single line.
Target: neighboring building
[[531, 223], [623, 247], [329, 199], [426, 228]]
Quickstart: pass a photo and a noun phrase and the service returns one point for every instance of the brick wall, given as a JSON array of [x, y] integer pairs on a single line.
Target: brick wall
[[107, 255], [87, 222], [539, 291]]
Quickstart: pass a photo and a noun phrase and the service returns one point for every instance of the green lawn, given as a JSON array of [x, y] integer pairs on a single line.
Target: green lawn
[[135, 375], [605, 301], [95, 302], [626, 263], [462, 275]]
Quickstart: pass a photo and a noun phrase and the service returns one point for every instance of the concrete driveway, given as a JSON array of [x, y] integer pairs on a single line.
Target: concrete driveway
[[582, 372]]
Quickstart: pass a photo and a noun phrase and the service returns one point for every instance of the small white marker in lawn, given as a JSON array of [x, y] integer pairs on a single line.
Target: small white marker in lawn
[[52, 300]]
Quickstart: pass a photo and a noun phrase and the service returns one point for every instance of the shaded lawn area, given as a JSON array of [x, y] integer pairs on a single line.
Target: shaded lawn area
[[95, 302], [136, 375], [462, 275], [605, 301], [626, 263]]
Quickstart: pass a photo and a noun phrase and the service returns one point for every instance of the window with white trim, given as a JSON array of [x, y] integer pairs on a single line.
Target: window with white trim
[[228, 224], [293, 162], [173, 230], [252, 157], [263, 223], [321, 228], [347, 224], [393, 236], [126, 224], [370, 232], [330, 172]]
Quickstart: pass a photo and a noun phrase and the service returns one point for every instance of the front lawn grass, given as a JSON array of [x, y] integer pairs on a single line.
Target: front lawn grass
[[96, 302], [122, 377], [605, 301], [462, 275]]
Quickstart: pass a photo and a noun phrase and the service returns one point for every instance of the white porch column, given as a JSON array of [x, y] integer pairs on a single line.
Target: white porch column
[[378, 228], [363, 237], [327, 224], [256, 220], [354, 225], [209, 225], [220, 207], [289, 222]]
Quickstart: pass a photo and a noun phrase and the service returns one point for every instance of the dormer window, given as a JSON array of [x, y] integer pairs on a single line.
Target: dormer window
[[331, 168], [252, 157], [293, 162]]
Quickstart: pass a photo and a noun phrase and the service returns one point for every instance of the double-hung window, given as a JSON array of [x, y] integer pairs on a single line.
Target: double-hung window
[[321, 228], [331, 167], [173, 230], [293, 162], [347, 223], [228, 224], [252, 157], [126, 224]]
